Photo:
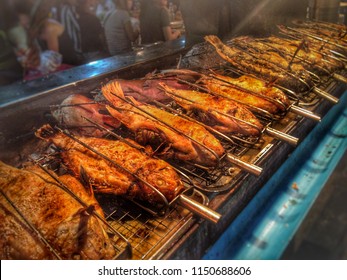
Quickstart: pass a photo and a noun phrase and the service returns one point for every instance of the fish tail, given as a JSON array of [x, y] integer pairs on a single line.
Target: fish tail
[[213, 40], [111, 91]]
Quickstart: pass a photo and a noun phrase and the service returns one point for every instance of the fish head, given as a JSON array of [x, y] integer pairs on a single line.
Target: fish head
[[154, 138], [165, 179]]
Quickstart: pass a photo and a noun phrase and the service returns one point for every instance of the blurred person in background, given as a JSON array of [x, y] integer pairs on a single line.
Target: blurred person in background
[[92, 34], [10, 69], [68, 17], [47, 34], [104, 8], [119, 30], [155, 22]]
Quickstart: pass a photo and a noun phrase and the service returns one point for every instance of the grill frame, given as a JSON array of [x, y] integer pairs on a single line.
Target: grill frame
[[193, 236]]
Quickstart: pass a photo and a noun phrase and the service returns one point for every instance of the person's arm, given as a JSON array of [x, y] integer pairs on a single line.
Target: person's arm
[[170, 34], [51, 33], [131, 33]]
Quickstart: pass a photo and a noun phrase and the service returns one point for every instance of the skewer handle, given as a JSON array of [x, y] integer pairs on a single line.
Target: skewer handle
[[251, 168], [340, 78], [304, 113], [325, 95], [282, 136], [198, 208]]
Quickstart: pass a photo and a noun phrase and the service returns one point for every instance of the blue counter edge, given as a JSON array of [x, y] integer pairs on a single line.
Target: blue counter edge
[[266, 225]]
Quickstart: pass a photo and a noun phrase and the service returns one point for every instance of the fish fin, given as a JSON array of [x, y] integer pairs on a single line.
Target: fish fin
[[85, 211], [212, 39], [111, 121], [84, 178], [133, 100], [163, 86], [111, 90], [115, 114]]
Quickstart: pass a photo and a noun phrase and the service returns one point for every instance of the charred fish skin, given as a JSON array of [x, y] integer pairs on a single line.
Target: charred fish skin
[[257, 66], [218, 109], [61, 220], [201, 56], [118, 179], [177, 137]]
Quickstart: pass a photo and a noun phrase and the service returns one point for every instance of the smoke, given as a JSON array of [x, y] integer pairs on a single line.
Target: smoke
[[253, 16]]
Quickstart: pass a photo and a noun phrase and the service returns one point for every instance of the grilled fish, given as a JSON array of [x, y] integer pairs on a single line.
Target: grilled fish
[[295, 62], [146, 89], [71, 111], [322, 45], [117, 179], [302, 49], [222, 114], [270, 54], [253, 93], [339, 29], [170, 135], [67, 226], [324, 34], [249, 91], [251, 64]]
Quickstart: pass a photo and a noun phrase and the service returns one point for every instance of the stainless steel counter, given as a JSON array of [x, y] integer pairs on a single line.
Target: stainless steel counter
[[96, 71]]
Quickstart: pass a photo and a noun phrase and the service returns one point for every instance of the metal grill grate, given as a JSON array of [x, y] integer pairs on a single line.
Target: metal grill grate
[[149, 236]]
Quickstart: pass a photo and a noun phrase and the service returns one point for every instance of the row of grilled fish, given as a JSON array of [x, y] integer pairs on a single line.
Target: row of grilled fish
[[126, 167], [171, 135], [296, 62], [328, 35], [266, 65], [225, 106], [168, 134]]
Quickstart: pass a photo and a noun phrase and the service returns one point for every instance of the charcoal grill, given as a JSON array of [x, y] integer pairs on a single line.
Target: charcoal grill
[[227, 189]]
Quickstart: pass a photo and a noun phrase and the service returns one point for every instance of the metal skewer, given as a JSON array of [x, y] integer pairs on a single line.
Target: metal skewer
[[325, 95], [282, 136], [304, 113]]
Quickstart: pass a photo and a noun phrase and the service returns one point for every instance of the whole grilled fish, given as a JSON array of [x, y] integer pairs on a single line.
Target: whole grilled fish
[[66, 225], [324, 46], [316, 59], [222, 114], [172, 135], [325, 35], [146, 89], [270, 54], [119, 178], [248, 91], [260, 67]]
